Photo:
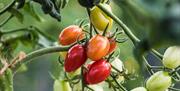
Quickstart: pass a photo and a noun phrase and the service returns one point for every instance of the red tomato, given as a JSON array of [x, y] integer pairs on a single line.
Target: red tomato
[[75, 58], [70, 34], [113, 45], [98, 72], [98, 47]]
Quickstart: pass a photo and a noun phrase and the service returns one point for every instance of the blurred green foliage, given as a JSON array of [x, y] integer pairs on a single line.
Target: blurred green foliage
[[139, 15]]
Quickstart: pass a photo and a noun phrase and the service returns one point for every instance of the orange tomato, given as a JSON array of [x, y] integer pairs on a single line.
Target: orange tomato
[[70, 34], [98, 46]]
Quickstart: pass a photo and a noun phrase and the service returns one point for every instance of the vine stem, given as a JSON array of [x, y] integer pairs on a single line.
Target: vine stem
[[41, 52], [119, 85], [123, 26]]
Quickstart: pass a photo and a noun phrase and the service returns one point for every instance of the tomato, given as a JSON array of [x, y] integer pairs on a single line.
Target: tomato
[[70, 34], [97, 47], [113, 45], [60, 85], [171, 58], [139, 89], [99, 19], [75, 58], [98, 72], [160, 81]]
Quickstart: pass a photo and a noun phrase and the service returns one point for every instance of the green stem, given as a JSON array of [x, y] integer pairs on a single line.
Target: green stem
[[91, 26], [123, 26], [174, 89], [41, 52], [157, 54], [119, 85]]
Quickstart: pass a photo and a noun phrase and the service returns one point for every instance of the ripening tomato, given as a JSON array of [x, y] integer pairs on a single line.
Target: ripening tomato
[[98, 46], [139, 89], [160, 81], [98, 72], [70, 34], [171, 58], [99, 19], [113, 45], [75, 58]]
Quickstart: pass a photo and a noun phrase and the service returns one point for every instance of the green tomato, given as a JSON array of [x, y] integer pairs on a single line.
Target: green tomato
[[171, 58], [99, 19], [60, 85], [139, 89], [160, 81]]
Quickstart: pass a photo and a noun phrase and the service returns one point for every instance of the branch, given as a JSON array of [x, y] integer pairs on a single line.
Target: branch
[[41, 52], [123, 26]]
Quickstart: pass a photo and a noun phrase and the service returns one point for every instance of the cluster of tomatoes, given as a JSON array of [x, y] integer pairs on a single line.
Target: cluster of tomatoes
[[95, 49]]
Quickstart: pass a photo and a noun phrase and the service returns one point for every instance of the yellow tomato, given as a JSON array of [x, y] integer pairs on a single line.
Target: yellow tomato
[[99, 19]]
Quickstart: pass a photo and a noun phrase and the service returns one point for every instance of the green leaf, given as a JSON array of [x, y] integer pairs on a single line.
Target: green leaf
[[64, 3], [29, 8], [17, 14]]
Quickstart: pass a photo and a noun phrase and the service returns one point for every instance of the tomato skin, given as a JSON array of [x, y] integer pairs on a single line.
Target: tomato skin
[[70, 34], [98, 47], [99, 19], [98, 72], [113, 45], [75, 58], [171, 58], [160, 81]]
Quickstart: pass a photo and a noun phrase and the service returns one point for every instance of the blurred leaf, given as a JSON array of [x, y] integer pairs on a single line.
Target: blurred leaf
[[60, 85], [64, 3], [23, 68], [20, 3], [30, 9], [17, 14], [6, 81]]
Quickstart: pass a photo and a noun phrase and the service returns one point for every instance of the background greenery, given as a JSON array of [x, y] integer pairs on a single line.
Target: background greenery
[[136, 14]]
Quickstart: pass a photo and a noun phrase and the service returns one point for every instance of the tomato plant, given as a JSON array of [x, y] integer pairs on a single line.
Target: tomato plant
[[88, 59], [75, 58], [97, 47]]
